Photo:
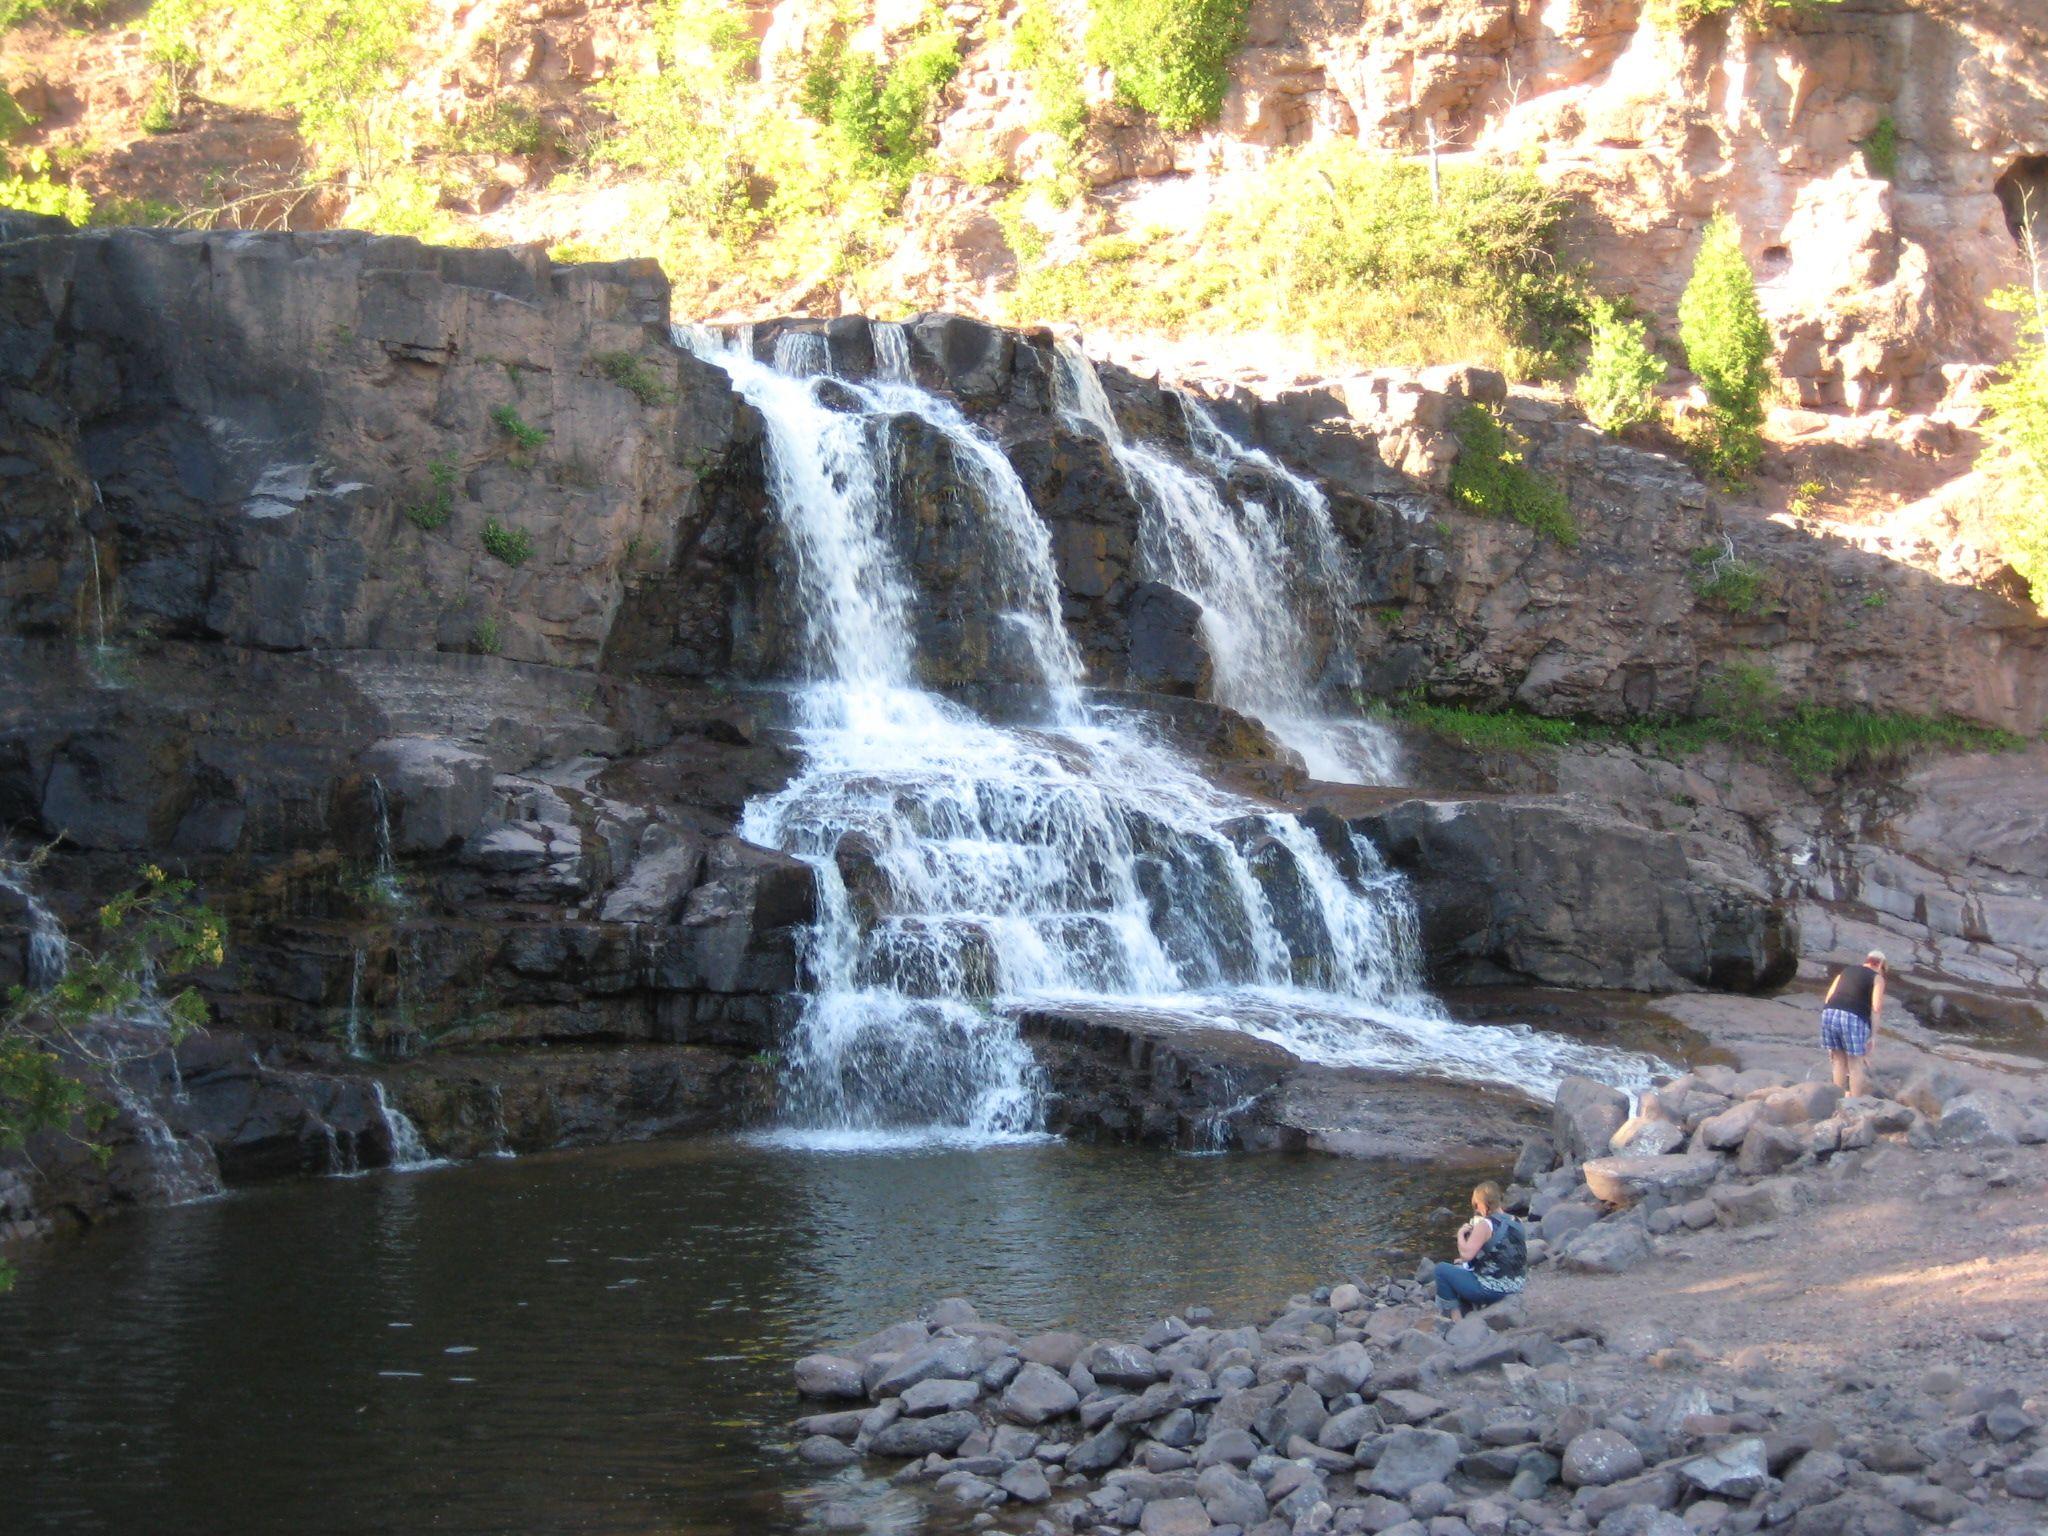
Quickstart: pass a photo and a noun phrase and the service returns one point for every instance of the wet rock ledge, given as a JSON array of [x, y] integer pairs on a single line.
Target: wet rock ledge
[[1350, 1411]]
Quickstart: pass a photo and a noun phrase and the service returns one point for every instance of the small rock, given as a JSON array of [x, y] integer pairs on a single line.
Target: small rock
[[1230, 1498], [825, 1451], [1100, 1451], [951, 1312], [1767, 1149], [1122, 1365], [1346, 1298], [938, 1396], [1941, 1381], [1608, 1249], [942, 1434], [1599, 1457], [2029, 1480], [1737, 1470], [1036, 1394], [1026, 1483], [1409, 1457], [1057, 1351]]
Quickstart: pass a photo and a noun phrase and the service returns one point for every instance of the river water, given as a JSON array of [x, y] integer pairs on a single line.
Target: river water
[[594, 1342]]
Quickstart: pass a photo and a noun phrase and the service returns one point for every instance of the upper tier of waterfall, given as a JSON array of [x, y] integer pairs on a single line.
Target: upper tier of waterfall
[[968, 868]]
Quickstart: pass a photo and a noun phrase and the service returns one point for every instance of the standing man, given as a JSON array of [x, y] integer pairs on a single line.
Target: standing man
[[1848, 1018]]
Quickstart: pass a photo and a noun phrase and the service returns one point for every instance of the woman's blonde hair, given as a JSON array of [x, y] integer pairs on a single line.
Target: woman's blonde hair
[[1488, 1198]]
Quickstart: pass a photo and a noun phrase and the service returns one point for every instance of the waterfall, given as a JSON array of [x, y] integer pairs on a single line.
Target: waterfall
[[1261, 566], [384, 881], [968, 870], [352, 1040], [408, 1149], [46, 953]]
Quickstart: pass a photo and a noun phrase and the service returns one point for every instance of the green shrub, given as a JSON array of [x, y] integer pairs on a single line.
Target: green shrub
[[514, 546], [880, 116], [1618, 390], [501, 128], [1680, 15], [2019, 424], [13, 121], [1881, 149], [158, 116], [1170, 58], [487, 636], [1722, 578], [633, 376], [170, 41], [65, 12], [29, 189], [1349, 252], [1488, 730], [438, 505], [1045, 47], [1728, 347], [515, 426], [1489, 477]]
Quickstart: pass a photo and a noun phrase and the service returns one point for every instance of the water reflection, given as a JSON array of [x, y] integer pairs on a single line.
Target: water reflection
[[592, 1342]]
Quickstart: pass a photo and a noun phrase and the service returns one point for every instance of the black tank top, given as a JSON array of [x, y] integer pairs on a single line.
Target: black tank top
[[1853, 995]]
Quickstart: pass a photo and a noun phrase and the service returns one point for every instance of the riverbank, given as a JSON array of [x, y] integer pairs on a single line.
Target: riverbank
[[1800, 1314]]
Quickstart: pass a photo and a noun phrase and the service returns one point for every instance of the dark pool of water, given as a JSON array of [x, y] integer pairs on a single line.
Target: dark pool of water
[[595, 1342]]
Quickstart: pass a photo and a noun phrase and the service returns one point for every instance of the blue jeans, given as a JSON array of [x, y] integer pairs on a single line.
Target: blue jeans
[[1455, 1283]]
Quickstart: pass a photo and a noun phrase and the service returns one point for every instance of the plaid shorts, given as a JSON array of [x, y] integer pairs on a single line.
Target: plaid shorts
[[1844, 1031]]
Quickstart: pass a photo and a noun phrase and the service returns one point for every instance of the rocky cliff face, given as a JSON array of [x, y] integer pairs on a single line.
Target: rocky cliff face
[[468, 798]]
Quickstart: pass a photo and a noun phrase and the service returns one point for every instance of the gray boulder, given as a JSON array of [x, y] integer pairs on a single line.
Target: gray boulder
[[1337, 1371], [1167, 652], [1609, 1248], [437, 792], [1038, 1393], [2029, 1480], [1980, 1119], [1663, 1180], [1724, 1132], [1122, 1365], [1100, 1451], [1409, 1457], [1025, 1483], [1649, 1136], [1584, 1117], [1229, 1497], [952, 1359], [1738, 1470], [1767, 1149], [1599, 1457], [829, 1378], [941, 1435], [939, 1395], [825, 1451], [1058, 1350]]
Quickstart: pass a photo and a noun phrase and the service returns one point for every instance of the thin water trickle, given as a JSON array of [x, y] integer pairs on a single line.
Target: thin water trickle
[[408, 1148], [385, 882], [352, 1040], [967, 870]]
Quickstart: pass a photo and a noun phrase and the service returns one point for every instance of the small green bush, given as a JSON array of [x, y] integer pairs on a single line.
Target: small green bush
[[1881, 149], [28, 188], [1170, 58], [514, 546], [633, 376], [500, 128], [487, 636], [337, 63], [438, 505], [2018, 423], [1728, 347], [880, 115], [514, 426], [1618, 390], [1490, 477], [1045, 47], [1722, 578]]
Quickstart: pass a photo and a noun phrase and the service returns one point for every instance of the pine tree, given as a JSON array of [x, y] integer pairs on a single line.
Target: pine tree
[[1728, 347], [1618, 388]]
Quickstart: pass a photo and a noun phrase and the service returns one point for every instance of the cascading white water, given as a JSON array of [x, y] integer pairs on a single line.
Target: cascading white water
[[967, 870], [46, 952], [1258, 565], [408, 1148]]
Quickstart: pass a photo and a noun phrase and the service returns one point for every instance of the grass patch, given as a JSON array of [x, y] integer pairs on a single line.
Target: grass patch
[[438, 505], [1489, 477], [1881, 149], [514, 546], [633, 376], [1733, 584], [487, 636], [513, 425]]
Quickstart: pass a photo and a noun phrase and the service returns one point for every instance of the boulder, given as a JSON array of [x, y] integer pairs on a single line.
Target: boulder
[[939, 1395], [1983, 1118], [1737, 1470], [1649, 1136], [1167, 651], [1768, 1148], [826, 1451], [1724, 1132], [1663, 1180], [1585, 1115], [1599, 1457], [1122, 1365], [940, 1435], [1175, 1517], [1337, 1371], [436, 792], [1802, 1103], [1058, 1350], [1230, 1497], [1036, 1394], [1100, 1451], [1409, 1457], [952, 1359], [1025, 1483], [670, 861], [2029, 1480], [829, 1378], [1609, 1248]]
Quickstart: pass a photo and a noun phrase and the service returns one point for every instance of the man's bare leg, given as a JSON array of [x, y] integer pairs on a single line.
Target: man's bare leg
[[1838, 1066], [1859, 1082]]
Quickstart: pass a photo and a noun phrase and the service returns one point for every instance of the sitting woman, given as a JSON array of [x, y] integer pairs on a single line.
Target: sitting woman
[[1493, 1258]]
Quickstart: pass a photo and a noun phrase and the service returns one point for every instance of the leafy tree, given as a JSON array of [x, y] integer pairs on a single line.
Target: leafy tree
[[335, 63], [29, 188], [1170, 58], [2019, 424], [1619, 387], [170, 41], [52, 1054], [1728, 347]]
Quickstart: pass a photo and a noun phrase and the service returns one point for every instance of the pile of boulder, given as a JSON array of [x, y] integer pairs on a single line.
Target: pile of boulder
[[1718, 1147], [1354, 1412]]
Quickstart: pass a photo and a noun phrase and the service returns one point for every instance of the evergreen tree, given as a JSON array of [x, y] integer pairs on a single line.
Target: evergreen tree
[[1728, 347], [1618, 388]]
